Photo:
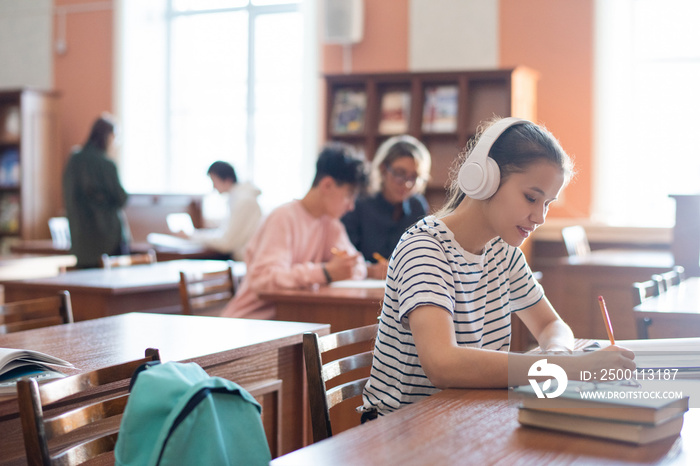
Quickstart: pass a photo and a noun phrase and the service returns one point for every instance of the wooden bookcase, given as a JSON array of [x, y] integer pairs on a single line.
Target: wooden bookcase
[[354, 110], [30, 168]]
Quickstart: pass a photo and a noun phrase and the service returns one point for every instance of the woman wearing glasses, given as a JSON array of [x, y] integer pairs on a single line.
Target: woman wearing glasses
[[400, 170]]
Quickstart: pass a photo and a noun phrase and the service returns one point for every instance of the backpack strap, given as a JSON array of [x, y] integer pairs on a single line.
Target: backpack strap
[[140, 369]]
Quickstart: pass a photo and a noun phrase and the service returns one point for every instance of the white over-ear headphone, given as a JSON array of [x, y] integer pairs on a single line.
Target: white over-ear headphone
[[479, 176]]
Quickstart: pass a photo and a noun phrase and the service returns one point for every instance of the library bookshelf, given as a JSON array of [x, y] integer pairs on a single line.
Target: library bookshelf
[[442, 109], [29, 186]]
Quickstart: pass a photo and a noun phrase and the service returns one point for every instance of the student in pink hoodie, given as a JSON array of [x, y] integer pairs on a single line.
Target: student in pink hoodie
[[303, 244]]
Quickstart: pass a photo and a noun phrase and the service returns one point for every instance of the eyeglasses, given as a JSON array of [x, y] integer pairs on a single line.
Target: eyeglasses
[[404, 178]]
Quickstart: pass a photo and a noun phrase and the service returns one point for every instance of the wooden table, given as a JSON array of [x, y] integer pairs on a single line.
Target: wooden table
[[47, 247], [573, 284], [242, 350], [346, 306], [101, 292], [21, 266], [675, 312], [480, 427]]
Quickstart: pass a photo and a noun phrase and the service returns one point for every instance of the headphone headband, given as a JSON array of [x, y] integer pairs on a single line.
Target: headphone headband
[[479, 176]]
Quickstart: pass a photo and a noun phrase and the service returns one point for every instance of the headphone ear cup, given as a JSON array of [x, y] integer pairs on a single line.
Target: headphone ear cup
[[479, 180]]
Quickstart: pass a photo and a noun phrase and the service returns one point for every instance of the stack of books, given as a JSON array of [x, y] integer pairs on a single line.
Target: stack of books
[[614, 411]]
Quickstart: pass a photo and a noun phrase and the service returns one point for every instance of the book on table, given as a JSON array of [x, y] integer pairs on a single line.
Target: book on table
[[613, 410], [630, 432], [16, 364], [606, 401]]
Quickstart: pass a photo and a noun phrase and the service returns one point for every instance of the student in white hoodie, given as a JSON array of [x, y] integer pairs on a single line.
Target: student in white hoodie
[[244, 216]]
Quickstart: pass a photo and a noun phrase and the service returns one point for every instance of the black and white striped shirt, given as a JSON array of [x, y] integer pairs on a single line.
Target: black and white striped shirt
[[429, 267]]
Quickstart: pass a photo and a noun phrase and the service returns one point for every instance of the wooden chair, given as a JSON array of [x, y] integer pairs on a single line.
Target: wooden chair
[[36, 313], [659, 283], [60, 428], [60, 232], [320, 370], [671, 278], [127, 260], [576, 241], [206, 293], [640, 292]]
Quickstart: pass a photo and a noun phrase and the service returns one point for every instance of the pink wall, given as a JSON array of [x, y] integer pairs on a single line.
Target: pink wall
[[83, 75], [555, 37]]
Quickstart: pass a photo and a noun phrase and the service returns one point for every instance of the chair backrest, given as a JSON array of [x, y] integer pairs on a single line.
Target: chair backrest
[[60, 232], [36, 313], [671, 278], [320, 370], [206, 293], [576, 241], [127, 260], [645, 289], [39, 428]]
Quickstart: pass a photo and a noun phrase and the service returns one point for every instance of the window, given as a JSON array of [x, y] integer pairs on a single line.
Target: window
[[647, 101], [207, 80]]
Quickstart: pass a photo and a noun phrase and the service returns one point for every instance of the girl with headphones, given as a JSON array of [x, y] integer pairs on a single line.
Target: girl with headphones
[[456, 277]]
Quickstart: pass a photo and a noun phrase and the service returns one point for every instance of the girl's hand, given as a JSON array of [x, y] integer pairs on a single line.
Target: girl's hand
[[610, 358]]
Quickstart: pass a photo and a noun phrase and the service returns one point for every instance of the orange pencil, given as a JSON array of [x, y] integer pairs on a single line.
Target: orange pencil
[[338, 252], [606, 318], [378, 257]]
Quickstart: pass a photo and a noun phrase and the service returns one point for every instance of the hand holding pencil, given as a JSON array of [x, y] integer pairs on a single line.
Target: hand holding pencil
[[342, 265]]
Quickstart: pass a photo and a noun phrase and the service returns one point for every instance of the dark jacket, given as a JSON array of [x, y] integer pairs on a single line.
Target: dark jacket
[[94, 198]]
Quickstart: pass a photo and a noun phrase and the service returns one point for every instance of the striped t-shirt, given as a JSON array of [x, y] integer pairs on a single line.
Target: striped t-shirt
[[429, 267]]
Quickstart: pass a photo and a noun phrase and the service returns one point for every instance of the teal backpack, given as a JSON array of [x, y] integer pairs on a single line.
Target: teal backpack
[[178, 415]]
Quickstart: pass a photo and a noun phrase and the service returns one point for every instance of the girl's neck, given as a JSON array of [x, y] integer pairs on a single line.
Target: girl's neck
[[469, 226]]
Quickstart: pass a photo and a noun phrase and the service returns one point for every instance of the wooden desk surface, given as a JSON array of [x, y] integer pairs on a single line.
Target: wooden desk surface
[[100, 292], [243, 350], [46, 247], [341, 307], [623, 258], [461, 426], [127, 279], [573, 284], [675, 312], [22, 266], [683, 298]]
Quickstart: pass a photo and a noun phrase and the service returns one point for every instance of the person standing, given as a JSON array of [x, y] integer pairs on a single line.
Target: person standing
[[94, 198]]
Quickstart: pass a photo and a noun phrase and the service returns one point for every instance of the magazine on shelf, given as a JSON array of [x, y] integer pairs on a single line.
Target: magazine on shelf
[[16, 364], [349, 107], [395, 112], [440, 109]]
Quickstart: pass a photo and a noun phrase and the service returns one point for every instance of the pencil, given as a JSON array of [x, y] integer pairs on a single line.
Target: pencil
[[338, 252], [378, 257], [606, 318]]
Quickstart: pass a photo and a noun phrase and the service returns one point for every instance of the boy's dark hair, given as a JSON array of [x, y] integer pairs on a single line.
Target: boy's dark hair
[[341, 162], [223, 170]]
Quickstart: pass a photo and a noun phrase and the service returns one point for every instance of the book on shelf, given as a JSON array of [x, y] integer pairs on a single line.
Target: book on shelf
[[611, 401], [348, 114], [16, 364], [395, 112], [9, 167], [9, 123], [440, 109], [630, 432], [9, 213]]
